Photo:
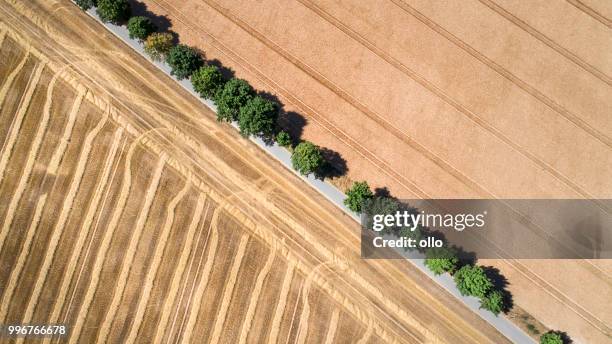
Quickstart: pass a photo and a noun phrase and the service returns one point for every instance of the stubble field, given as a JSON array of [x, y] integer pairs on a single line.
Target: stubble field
[[442, 99], [129, 214]]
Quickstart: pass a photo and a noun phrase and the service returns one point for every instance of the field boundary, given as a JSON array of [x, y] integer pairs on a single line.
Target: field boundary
[[330, 192]]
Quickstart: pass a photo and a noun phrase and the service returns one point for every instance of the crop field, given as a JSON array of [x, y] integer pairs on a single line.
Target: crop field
[[129, 214], [442, 99], [91, 207]]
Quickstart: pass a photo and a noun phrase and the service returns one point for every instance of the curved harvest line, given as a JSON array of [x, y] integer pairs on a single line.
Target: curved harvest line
[[197, 297], [254, 298], [333, 326], [180, 268], [23, 255], [227, 292], [153, 269], [7, 148], [130, 254], [280, 306], [86, 228], [29, 165], [9, 80], [62, 218], [104, 246]]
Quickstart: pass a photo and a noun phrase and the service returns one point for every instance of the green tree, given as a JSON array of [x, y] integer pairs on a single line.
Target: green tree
[[114, 11], [307, 158], [283, 139], [86, 4], [380, 205], [229, 99], [359, 192], [551, 337], [157, 45], [472, 280], [184, 60], [493, 302], [207, 81], [140, 27], [441, 259], [258, 117]]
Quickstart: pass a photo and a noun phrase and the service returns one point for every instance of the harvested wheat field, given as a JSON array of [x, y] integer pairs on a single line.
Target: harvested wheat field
[[131, 215], [443, 99]]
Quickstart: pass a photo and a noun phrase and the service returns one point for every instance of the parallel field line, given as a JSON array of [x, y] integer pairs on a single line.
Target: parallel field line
[[228, 291], [29, 165], [61, 222], [154, 267], [180, 268], [205, 276], [24, 104], [279, 310], [23, 255], [254, 298], [126, 264], [333, 327], [83, 307], [86, 230]]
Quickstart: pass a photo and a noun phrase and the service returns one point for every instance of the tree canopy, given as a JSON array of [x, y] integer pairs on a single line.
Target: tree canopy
[[157, 45], [441, 259], [472, 280], [357, 194], [86, 4], [551, 337], [184, 60], [258, 117], [307, 158], [140, 27], [493, 302], [229, 99], [207, 81], [283, 139], [114, 11]]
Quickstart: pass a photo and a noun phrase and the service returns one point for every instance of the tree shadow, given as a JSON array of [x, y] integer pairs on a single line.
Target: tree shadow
[[382, 192], [227, 72], [293, 123], [162, 22], [334, 166], [565, 337], [500, 283]]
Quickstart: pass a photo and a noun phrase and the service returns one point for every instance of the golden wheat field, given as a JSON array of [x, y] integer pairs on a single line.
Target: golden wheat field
[[130, 215]]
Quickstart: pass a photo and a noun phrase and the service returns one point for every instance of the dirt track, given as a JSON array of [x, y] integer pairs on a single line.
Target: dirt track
[[153, 223], [479, 98]]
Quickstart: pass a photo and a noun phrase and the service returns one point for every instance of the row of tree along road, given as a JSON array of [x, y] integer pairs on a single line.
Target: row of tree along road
[[257, 115]]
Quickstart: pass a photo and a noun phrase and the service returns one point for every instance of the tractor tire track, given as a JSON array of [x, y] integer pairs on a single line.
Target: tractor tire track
[[459, 107], [388, 126], [591, 12], [547, 41]]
